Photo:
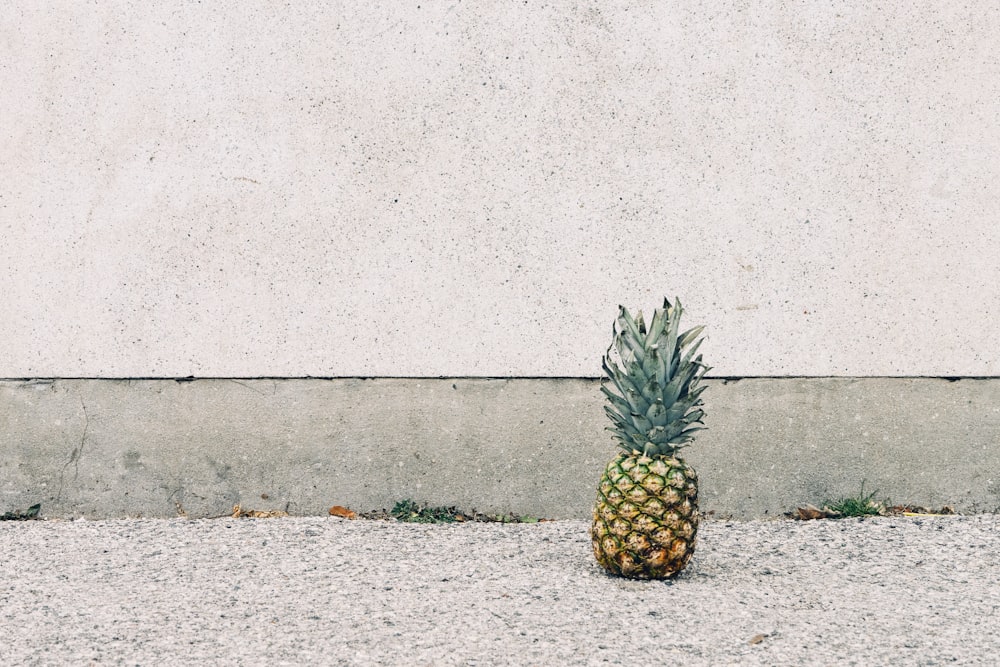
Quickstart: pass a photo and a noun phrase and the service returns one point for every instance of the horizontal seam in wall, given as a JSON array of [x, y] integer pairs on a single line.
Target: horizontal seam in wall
[[725, 378]]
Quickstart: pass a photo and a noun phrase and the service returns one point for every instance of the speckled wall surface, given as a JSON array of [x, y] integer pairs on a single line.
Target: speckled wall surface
[[470, 188]]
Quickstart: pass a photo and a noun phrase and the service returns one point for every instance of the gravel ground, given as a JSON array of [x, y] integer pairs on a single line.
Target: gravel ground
[[899, 591]]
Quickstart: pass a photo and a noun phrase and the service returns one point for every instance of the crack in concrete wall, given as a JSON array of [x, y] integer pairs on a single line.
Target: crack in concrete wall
[[75, 453]]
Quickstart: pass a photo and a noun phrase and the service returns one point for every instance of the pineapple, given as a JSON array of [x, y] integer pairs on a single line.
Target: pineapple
[[646, 514]]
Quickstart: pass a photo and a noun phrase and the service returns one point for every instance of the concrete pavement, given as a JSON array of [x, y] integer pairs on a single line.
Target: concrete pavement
[[327, 591]]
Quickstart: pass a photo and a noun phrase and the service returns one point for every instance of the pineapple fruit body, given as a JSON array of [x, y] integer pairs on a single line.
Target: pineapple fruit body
[[646, 514]]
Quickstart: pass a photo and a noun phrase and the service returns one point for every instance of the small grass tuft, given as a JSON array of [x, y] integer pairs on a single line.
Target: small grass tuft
[[22, 515], [411, 512], [857, 506]]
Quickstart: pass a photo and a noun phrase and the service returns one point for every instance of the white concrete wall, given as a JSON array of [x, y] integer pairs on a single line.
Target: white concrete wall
[[470, 188]]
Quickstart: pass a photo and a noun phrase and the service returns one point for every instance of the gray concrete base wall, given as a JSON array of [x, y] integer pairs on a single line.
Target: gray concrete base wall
[[116, 448]]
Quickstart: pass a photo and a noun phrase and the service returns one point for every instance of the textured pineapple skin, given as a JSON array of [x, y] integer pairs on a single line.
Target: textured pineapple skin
[[646, 516]]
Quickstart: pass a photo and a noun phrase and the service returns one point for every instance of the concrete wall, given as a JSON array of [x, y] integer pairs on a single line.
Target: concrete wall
[[469, 189], [444, 189], [161, 447]]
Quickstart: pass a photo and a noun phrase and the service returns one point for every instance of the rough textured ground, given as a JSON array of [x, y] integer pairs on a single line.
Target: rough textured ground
[[900, 591]]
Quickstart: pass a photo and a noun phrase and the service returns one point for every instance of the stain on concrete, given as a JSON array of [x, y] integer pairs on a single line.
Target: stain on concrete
[[132, 461]]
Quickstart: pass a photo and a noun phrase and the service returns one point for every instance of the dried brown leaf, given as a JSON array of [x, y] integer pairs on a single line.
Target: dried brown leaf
[[343, 512], [240, 513], [810, 512]]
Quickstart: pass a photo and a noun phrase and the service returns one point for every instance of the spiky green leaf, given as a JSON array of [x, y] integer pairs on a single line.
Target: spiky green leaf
[[656, 372], [657, 414], [618, 403], [688, 336], [655, 327]]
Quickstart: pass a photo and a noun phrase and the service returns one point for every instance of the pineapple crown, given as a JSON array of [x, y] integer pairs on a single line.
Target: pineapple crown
[[656, 375]]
